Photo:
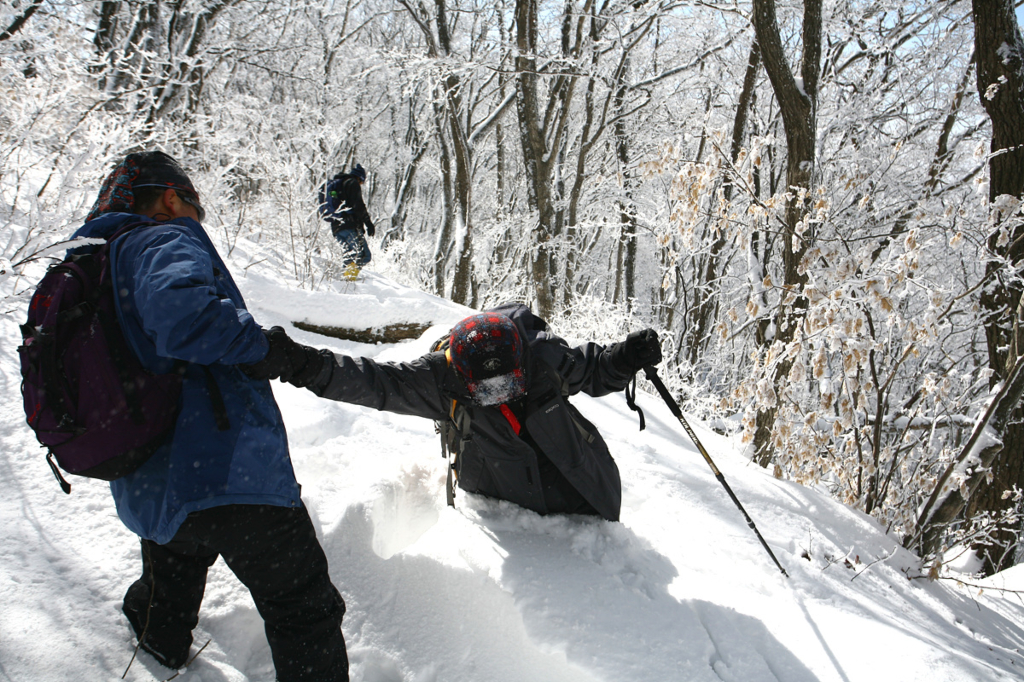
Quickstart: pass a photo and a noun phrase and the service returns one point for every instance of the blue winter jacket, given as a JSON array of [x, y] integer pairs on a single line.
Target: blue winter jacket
[[177, 301]]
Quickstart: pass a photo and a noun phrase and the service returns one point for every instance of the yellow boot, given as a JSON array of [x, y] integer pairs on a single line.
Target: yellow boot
[[351, 271]]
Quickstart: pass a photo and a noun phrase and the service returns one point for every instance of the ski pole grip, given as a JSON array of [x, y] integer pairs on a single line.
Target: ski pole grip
[[652, 375]]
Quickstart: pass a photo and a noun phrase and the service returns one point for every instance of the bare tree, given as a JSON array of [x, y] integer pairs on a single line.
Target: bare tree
[[541, 130], [798, 104], [999, 51], [20, 20], [707, 294]]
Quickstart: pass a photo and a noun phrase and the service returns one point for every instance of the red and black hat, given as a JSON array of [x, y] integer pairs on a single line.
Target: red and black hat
[[487, 353], [145, 169]]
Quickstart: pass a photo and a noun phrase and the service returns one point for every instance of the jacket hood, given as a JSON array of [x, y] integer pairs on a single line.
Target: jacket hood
[[106, 225], [109, 223]]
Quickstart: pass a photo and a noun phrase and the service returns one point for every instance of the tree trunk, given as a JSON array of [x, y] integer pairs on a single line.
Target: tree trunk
[[797, 103], [458, 227], [627, 209], [999, 50], [106, 27], [463, 188], [20, 20], [538, 172], [136, 44], [946, 501], [403, 187], [572, 258], [542, 138], [446, 233], [704, 311], [184, 73]]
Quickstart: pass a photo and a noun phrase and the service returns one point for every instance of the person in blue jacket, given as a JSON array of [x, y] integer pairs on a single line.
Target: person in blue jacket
[[223, 483]]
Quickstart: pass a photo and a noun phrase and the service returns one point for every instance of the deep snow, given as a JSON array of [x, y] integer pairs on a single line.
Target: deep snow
[[678, 590]]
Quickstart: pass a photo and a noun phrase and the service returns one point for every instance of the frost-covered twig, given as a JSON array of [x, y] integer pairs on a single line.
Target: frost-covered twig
[[867, 566], [59, 247], [189, 662], [964, 583], [934, 514]]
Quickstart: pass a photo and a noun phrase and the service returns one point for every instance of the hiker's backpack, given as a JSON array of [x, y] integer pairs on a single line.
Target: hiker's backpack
[[330, 197], [451, 429], [87, 398]]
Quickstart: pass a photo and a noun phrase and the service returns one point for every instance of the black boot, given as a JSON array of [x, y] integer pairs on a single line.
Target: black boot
[[169, 648]]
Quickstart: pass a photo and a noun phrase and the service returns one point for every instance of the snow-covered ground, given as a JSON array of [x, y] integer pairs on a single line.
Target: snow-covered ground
[[678, 590]]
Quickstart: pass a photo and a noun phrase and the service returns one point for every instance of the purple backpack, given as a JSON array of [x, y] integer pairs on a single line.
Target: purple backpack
[[87, 397]]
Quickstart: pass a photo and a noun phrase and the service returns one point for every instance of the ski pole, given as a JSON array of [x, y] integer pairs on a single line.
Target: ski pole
[[673, 406]]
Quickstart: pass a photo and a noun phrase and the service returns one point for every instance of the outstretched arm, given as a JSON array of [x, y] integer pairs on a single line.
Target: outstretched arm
[[599, 370], [416, 388], [413, 388], [587, 368]]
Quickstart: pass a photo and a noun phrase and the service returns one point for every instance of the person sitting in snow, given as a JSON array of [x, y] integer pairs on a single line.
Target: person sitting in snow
[[502, 385], [341, 205], [222, 483]]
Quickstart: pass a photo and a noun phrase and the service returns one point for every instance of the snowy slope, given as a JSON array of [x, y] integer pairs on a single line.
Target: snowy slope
[[679, 590]]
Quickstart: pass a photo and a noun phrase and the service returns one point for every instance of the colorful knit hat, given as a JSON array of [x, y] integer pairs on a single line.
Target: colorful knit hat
[[487, 353], [145, 169]]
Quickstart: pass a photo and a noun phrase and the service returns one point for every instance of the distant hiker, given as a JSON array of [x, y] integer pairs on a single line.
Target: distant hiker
[[341, 205], [222, 483], [502, 389]]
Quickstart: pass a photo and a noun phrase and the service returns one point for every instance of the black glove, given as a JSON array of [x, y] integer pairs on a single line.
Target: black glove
[[639, 350], [276, 363], [370, 229], [286, 360], [308, 368]]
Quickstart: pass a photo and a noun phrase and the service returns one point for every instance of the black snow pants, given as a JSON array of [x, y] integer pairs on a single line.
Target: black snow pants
[[275, 553]]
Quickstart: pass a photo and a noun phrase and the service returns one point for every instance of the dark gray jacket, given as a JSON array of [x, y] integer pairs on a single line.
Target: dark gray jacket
[[350, 212], [558, 463]]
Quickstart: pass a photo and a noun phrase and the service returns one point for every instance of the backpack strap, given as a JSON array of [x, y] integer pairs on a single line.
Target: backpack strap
[[561, 386], [220, 411], [117, 352], [452, 421], [442, 428], [511, 418], [449, 484], [64, 485]]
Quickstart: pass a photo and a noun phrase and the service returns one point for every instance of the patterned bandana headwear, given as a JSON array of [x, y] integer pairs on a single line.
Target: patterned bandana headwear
[[146, 169], [487, 353]]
